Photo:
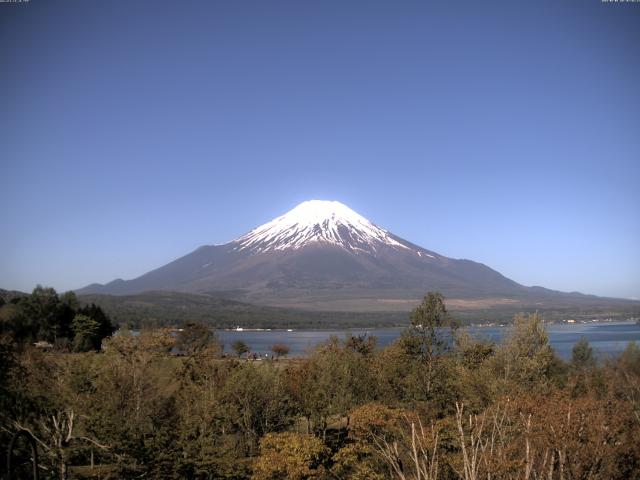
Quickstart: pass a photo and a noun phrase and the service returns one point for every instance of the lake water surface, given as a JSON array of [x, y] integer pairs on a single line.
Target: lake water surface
[[607, 338]]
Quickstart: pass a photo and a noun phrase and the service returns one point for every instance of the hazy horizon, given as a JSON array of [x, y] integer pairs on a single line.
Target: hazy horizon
[[133, 133]]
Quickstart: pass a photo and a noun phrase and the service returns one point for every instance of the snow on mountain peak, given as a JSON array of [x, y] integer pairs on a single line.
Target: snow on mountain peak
[[317, 221]]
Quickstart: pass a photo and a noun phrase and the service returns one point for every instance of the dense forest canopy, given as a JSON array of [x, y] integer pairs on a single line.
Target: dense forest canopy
[[423, 407], [58, 320]]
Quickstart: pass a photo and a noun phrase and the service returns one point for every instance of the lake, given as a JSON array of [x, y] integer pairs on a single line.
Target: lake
[[607, 338]]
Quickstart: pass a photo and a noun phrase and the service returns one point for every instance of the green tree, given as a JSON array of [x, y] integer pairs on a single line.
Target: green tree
[[473, 372], [427, 339], [59, 396], [86, 333], [105, 327], [627, 370], [526, 356], [209, 437], [15, 324], [331, 382], [582, 355], [135, 406], [70, 299], [582, 367], [195, 338], [630, 358], [363, 344], [240, 347], [257, 401], [46, 317]]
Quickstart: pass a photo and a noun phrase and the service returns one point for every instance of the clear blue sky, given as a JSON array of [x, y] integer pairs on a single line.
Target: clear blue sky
[[132, 132]]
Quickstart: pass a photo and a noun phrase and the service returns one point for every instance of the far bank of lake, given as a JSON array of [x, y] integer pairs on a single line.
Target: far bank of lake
[[607, 338]]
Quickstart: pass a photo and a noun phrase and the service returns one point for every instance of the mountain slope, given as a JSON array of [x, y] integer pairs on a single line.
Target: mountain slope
[[153, 309], [324, 255]]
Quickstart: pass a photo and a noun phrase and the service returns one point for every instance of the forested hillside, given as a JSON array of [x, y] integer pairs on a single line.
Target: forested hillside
[[162, 309]]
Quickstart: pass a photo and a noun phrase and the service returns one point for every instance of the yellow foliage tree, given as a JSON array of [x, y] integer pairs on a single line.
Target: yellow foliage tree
[[290, 455]]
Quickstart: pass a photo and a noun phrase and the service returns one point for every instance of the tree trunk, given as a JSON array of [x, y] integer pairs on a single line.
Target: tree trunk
[[62, 466]]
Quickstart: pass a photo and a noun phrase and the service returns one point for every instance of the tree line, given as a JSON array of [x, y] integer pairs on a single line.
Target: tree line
[[58, 320], [436, 404]]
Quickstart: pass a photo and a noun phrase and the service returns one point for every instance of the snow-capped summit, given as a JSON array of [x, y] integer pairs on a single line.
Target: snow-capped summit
[[318, 221]]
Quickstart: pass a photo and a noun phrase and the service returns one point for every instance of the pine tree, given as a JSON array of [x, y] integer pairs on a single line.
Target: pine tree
[[86, 333]]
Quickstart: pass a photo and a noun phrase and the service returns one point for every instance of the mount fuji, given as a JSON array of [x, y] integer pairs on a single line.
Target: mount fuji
[[323, 255]]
